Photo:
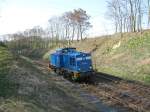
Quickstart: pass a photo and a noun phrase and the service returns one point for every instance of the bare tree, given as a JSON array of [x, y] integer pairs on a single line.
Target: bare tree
[[56, 29], [70, 25], [116, 12], [82, 21], [126, 14], [139, 16], [66, 20]]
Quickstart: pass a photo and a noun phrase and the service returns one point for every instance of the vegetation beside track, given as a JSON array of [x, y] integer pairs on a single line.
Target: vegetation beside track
[[6, 60], [127, 57]]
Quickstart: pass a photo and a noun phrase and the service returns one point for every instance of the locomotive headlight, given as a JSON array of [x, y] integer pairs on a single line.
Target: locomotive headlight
[[90, 67]]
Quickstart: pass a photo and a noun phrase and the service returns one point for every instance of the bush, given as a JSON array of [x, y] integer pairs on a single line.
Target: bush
[[2, 44], [6, 58], [139, 41]]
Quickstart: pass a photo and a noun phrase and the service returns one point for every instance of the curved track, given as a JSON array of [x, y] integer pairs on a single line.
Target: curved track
[[99, 76], [118, 92], [124, 93]]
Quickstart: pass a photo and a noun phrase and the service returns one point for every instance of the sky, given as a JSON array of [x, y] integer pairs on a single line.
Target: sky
[[18, 15]]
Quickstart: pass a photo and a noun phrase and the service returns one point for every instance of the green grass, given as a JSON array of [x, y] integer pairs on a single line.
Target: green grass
[[6, 59], [126, 61], [15, 105], [10, 99], [128, 66], [139, 41]]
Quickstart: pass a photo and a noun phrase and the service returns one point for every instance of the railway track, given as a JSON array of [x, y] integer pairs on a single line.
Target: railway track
[[116, 91], [100, 75], [121, 92]]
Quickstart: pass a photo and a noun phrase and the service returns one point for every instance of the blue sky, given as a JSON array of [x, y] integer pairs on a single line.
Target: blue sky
[[18, 15]]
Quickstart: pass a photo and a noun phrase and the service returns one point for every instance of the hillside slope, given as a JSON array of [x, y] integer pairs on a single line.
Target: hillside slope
[[25, 88], [127, 57], [5, 60]]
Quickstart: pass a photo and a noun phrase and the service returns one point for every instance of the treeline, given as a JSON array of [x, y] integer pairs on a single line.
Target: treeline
[[127, 15], [2, 44], [31, 45], [61, 31], [71, 25]]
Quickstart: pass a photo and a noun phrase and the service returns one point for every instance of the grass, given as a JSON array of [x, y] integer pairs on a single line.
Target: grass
[[36, 92], [6, 59], [14, 105], [134, 64], [15, 86], [130, 60]]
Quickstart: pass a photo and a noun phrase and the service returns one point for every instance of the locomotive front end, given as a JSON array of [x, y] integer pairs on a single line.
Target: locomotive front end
[[84, 65]]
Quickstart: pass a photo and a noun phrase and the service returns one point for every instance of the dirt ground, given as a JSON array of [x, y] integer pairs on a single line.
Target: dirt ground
[[128, 95], [41, 90], [36, 87]]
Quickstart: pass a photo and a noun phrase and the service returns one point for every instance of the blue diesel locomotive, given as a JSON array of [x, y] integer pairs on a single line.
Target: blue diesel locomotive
[[71, 63]]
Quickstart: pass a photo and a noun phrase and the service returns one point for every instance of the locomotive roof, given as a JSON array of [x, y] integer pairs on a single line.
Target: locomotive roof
[[67, 48], [77, 53], [70, 51]]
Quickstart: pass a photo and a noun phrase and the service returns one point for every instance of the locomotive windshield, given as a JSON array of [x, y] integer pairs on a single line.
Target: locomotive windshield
[[83, 58], [84, 63]]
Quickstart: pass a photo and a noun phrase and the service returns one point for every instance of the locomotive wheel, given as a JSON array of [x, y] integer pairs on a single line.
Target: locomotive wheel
[[49, 67], [57, 72], [75, 76], [54, 70], [87, 79]]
